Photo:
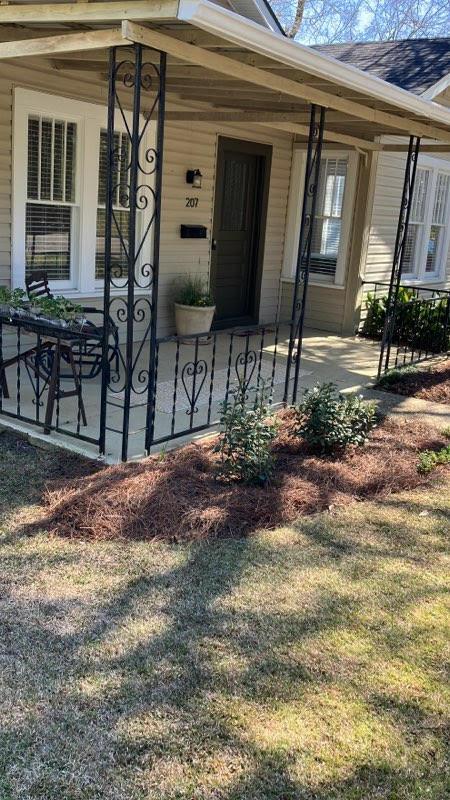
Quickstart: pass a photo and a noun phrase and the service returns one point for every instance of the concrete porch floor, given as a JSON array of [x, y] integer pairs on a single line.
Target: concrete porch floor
[[349, 362]]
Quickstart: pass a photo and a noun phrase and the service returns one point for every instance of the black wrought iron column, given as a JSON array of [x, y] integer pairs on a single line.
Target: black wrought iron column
[[399, 253], [311, 183], [132, 204]]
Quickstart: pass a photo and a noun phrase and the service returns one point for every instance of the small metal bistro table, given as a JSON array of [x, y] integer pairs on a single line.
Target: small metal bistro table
[[54, 344]]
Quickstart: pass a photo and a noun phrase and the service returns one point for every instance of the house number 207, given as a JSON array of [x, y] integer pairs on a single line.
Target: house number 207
[[191, 202]]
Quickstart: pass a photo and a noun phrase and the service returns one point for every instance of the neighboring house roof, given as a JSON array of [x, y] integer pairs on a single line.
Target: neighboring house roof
[[412, 64]]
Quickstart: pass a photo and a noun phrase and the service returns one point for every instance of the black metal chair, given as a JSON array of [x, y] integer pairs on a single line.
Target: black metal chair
[[87, 352]]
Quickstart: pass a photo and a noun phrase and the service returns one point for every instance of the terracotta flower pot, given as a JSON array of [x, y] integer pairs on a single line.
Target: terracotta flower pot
[[193, 319]]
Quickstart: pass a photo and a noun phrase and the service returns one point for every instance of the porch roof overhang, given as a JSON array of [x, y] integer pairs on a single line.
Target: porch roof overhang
[[222, 66]]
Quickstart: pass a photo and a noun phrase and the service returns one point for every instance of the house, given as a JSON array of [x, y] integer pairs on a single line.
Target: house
[[155, 139]]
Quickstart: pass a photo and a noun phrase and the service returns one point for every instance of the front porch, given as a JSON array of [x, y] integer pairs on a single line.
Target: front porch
[[184, 409], [100, 178]]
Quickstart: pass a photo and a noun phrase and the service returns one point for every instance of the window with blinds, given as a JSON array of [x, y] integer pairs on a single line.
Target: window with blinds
[[328, 219], [428, 225], [121, 209], [416, 222], [439, 222], [51, 166]]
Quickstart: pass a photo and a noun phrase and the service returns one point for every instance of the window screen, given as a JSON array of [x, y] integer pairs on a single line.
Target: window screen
[[328, 220], [51, 165], [121, 211]]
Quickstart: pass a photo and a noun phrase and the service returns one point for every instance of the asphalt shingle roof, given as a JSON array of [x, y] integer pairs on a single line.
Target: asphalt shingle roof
[[412, 64]]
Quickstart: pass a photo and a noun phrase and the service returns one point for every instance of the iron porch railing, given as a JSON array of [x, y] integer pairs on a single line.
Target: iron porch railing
[[205, 369], [419, 326], [41, 374]]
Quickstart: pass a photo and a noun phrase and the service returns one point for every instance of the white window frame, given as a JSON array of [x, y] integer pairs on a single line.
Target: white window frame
[[90, 119], [294, 214], [433, 166]]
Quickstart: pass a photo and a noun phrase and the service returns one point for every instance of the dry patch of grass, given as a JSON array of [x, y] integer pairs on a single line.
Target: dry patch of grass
[[305, 662]]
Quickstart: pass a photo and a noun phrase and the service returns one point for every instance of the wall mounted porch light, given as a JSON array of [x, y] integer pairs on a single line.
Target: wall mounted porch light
[[194, 177]]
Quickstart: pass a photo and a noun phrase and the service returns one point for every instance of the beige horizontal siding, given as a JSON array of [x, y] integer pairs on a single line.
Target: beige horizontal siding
[[324, 308], [383, 229], [186, 146], [195, 146]]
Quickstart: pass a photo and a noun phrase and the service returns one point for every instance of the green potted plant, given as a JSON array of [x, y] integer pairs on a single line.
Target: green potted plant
[[194, 306], [11, 300], [57, 309]]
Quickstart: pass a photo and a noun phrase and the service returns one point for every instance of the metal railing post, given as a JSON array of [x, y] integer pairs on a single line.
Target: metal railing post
[[312, 173], [399, 252]]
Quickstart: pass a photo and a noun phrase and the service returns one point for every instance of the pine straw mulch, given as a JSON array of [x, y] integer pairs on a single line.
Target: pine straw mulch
[[427, 383], [177, 497]]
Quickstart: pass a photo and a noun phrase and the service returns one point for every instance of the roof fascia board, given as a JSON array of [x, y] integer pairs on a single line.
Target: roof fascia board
[[248, 34], [437, 88], [269, 16]]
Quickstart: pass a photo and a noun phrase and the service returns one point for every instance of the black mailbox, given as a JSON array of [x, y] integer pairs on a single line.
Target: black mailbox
[[193, 232]]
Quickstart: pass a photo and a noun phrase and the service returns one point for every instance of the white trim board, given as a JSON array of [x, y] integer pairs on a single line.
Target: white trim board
[[294, 214]]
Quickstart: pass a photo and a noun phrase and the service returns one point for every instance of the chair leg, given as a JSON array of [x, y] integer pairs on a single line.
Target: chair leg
[[4, 384], [77, 382], [52, 388]]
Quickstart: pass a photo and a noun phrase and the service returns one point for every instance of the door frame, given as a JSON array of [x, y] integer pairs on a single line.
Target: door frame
[[264, 154]]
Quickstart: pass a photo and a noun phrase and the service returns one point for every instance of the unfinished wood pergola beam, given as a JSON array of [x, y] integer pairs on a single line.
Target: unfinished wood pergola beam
[[424, 148], [85, 40], [285, 86], [246, 116], [329, 136], [88, 12]]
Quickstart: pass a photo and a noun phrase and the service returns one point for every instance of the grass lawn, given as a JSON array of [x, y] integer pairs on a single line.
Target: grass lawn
[[304, 663]]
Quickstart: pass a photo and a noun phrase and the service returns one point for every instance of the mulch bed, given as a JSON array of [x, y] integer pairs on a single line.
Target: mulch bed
[[428, 383], [177, 497]]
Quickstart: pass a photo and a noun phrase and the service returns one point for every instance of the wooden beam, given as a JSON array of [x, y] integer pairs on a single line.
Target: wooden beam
[[78, 66], [424, 148], [195, 115], [86, 40], [89, 12], [329, 136], [285, 86]]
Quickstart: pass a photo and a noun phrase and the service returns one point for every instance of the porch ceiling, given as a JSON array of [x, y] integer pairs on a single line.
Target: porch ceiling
[[217, 77]]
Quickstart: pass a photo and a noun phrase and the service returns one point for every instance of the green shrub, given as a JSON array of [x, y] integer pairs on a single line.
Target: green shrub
[[14, 298], [330, 421], [418, 324], [58, 307], [430, 459], [446, 432], [194, 291], [245, 440], [396, 375]]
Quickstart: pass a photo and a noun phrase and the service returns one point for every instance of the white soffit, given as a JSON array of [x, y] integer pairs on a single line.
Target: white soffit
[[252, 36]]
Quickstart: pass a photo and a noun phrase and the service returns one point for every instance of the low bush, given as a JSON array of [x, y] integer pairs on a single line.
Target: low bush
[[396, 375], [430, 459], [419, 324], [330, 421], [245, 440]]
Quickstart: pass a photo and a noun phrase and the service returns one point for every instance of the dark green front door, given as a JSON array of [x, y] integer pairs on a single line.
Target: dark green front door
[[238, 229]]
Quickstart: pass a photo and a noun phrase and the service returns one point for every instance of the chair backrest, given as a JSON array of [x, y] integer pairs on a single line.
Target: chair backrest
[[37, 284]]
